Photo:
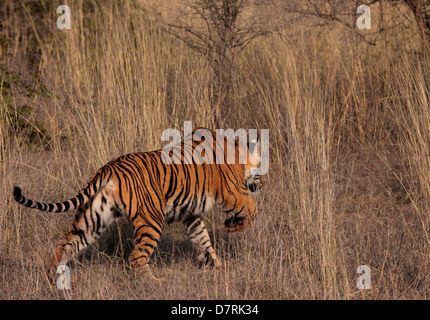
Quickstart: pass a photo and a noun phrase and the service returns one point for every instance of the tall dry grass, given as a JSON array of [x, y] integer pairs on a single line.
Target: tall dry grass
[[349, 174]]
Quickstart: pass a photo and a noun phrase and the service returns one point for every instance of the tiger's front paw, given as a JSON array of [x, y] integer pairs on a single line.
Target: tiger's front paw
[[209, 260]]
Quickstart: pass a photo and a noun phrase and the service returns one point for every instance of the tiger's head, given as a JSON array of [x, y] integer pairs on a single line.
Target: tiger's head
[[252, 180]]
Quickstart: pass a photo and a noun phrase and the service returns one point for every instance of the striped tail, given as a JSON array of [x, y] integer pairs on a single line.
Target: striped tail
[[71, 204]]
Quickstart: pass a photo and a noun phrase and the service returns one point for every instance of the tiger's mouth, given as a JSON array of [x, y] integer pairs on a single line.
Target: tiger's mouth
[[235, 223], [255, 186]]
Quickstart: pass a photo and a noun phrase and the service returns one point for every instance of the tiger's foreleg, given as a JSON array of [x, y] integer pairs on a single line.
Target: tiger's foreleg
[[199, 236]]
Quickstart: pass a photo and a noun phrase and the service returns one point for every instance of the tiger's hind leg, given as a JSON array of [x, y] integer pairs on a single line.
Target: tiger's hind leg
[[90, 221], [147, 223], [199, 236]]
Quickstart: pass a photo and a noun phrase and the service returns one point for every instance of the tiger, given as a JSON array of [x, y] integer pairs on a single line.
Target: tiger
[[151, 192]]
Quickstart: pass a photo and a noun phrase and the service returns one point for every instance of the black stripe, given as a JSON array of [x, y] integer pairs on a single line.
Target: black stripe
[[98, 222], [59, 207], [80, 197], [75, 203], [66, 205], [192, 235], [146, 235]]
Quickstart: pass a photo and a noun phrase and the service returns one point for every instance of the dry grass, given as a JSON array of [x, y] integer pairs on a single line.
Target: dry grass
[[349, 173]]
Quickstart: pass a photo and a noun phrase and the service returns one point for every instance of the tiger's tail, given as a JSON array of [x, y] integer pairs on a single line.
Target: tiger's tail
[[71, 204]]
